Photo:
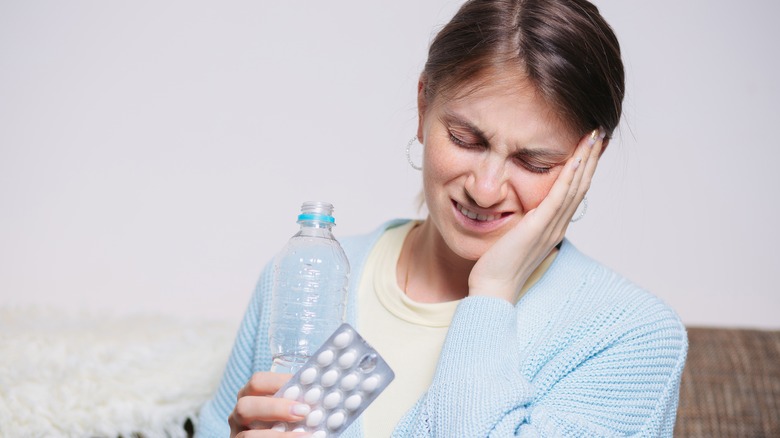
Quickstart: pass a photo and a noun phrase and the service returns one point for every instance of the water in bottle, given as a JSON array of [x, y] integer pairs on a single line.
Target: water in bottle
[[310, 289]]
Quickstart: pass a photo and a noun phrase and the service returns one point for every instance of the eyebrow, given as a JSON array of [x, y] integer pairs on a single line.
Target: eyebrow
[[525, 152], [543, 154], [454, 118]]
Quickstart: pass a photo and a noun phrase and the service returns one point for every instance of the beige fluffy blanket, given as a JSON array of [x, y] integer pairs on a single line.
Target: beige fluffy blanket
[[88, 375]]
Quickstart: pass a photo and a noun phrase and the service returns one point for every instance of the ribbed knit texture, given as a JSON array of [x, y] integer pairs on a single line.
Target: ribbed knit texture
[[584, 353]]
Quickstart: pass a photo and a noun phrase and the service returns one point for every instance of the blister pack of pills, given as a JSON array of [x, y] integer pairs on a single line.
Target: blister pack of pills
[[338, 382]]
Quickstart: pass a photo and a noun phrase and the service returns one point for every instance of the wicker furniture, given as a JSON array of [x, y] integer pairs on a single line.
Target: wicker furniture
[[731, 384]]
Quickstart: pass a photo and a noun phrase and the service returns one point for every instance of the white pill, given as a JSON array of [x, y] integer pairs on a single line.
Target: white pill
[[349, 382], [292, 392], [325, 358], [308, 375], [331, 400], [319, 434], [347, 359], [314, 418], [279, 427], [336, 420], [299, 429], [329, 378], [353, 402], [313, 395], [370, 384], [342, 339]]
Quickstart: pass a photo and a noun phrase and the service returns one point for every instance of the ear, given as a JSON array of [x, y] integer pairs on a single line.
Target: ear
[[422, 105], [604, 145]]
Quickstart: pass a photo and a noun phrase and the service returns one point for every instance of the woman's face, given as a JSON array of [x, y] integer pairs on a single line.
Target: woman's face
[[491, 155]]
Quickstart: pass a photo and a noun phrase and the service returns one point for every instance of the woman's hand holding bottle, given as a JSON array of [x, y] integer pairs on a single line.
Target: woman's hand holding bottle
[[257, 410]]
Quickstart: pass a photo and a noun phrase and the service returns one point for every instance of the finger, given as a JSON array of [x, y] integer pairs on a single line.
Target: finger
[[565, 186], [264, 383], [251, 409], [545, 217], [588, 149], [586, 156], [581, 185], [564, 196], [590, 167]]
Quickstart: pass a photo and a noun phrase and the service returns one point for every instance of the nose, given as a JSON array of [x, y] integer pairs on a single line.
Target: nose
[[486, 184]]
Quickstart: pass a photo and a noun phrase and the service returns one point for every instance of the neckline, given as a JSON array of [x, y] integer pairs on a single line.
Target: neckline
[[391, 295]]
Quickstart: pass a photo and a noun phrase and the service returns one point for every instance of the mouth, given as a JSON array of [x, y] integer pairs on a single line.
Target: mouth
[[478, 217]]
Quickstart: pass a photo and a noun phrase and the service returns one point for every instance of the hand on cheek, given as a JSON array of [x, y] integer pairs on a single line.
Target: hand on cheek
[[503, 270]]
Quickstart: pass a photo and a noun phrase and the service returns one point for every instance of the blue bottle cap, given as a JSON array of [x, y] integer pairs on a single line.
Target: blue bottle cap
[[317, 211]]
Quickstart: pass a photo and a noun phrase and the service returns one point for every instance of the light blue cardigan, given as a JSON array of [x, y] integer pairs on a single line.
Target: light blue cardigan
[[584, 353]]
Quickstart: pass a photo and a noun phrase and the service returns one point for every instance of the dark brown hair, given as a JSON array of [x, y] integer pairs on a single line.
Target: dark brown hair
[[563, 47]]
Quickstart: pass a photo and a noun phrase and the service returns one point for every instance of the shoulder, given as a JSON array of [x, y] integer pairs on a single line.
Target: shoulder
[[358, 246], [599, 286], [586, 327], [584, 299]]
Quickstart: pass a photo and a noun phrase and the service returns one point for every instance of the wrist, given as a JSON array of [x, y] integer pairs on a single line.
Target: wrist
[[504, 291]]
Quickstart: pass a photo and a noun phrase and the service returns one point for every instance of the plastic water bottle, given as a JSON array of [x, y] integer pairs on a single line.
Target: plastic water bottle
[[309, 300]]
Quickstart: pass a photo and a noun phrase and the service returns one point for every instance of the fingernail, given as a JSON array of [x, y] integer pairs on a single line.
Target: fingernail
[[602, 134], [593, 137], [577, 162], [300, 409]]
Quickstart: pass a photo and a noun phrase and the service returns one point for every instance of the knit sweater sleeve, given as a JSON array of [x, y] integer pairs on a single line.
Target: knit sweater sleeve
[[477, 383], [214, 414], [621, 380]]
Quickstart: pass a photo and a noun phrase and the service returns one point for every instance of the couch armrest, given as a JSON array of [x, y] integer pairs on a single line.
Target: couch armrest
[[731, 384]]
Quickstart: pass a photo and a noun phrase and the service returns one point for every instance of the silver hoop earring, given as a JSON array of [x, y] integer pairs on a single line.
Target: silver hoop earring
[[584, 210], [409, 153]]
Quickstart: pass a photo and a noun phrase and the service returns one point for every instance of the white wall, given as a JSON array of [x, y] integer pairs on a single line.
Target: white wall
[[153, 155]]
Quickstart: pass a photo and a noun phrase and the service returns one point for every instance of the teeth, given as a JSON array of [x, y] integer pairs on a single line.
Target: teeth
[[479, 217]]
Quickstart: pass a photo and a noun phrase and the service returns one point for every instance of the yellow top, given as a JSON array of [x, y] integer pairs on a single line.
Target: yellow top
[[409, 335]]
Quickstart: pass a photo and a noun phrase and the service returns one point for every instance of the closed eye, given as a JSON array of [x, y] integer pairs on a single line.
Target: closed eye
[[539, 160], [465, 144], [533, 167], [463, 133]]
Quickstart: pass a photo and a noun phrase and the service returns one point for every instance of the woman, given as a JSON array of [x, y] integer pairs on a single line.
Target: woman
[[511, 330]]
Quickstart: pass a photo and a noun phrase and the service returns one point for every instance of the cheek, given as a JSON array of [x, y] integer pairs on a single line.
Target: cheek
[[531, 188], [433, 174], [441, 164]]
